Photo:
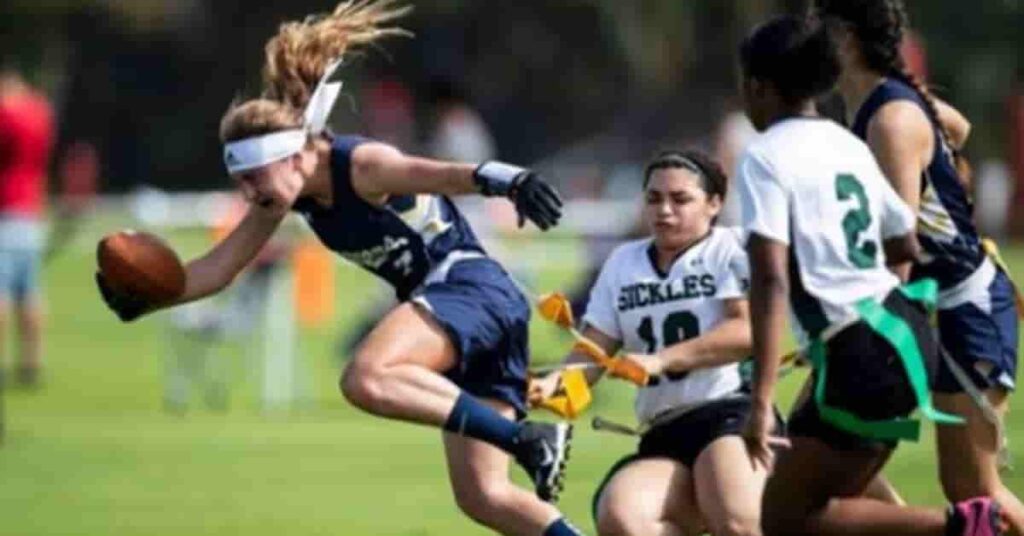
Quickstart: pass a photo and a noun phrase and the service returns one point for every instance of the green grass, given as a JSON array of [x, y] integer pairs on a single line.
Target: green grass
[[93, 452]]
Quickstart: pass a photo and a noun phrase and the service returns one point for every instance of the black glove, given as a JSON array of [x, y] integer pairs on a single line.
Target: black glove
[[535, 199], [126, 307]]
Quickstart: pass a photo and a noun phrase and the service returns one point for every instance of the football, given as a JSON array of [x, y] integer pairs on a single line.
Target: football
[[141, 264]]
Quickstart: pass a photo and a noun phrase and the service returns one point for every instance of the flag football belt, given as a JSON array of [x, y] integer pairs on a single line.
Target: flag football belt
[[900, 336], [992, 250]]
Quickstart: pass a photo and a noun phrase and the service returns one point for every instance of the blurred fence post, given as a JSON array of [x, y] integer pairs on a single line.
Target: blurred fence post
[[279, 389], [3, 407]]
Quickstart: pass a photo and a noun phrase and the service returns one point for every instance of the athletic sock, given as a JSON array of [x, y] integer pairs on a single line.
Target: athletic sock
[[561, 527], [473, 418]]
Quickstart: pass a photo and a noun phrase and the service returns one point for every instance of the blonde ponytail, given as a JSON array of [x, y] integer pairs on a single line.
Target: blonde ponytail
[[297, 57]]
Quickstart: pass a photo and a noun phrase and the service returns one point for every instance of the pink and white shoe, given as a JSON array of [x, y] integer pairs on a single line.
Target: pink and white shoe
[[980, 516]]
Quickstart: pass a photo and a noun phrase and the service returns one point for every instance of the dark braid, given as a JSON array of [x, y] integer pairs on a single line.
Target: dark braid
[[879, 26]]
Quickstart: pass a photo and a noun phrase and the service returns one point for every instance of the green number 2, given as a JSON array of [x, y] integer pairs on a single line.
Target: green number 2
[[862, 252]]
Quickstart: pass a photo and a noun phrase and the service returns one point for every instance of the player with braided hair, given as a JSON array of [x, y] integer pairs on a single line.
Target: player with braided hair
[[916, 139], [823, 224], [453, 354]]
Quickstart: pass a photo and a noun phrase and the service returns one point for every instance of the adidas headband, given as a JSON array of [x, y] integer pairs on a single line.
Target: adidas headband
[[258, 151]]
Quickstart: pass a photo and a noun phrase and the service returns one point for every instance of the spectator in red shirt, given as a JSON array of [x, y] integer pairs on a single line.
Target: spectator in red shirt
[[26, 139]]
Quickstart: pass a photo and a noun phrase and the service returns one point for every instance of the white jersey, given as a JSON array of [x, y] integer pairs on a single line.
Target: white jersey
[[646, 310], [811, 184]]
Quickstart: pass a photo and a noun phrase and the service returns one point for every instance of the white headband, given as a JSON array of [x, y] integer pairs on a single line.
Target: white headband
[[258, 151]]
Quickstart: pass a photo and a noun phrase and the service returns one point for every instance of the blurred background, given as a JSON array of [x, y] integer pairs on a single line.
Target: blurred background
[[224, 417], [589, 83]]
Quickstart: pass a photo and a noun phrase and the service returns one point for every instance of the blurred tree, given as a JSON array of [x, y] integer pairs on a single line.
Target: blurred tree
[[147, 80], [975, 56]]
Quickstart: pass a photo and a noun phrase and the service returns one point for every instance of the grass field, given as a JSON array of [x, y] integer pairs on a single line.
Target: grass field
[[94, 453]]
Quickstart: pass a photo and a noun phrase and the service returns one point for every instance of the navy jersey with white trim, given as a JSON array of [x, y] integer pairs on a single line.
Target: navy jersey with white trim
[[400, 241], [945, 225]]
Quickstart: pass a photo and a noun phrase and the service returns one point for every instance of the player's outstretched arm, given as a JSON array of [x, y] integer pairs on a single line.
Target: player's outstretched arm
[[610, 345], [727, 342], [215, 270], [545, 387], [379, 170], [206, 275]]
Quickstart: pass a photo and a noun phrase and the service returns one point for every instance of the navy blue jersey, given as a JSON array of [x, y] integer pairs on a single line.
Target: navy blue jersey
[[945, 224], [401, 241]]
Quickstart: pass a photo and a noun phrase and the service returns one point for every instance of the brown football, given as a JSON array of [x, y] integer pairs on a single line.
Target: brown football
[[141, 264]]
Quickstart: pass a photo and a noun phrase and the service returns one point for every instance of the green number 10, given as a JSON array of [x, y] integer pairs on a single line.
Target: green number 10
[[862, 252]]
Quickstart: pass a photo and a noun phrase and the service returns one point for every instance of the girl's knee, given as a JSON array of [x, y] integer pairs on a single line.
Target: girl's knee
[[482, 502], [361, 386]]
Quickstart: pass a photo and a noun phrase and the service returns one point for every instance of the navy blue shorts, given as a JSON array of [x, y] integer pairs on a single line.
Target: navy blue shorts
[[487, 319], [981, 336]]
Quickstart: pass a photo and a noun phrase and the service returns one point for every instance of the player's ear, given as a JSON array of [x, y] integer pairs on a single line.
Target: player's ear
[[298, 160], [714, 205]]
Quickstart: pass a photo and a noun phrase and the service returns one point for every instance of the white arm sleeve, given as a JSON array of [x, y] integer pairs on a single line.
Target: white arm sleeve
[[898, 219], [601, 309], [733, 275], [764, 200]]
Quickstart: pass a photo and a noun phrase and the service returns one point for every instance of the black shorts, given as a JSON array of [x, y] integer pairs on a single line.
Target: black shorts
[[685, 437], [867, 378]]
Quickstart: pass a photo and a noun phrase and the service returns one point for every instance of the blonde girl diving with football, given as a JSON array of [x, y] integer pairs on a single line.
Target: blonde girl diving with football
[[453, 354], [917, 139], [675, 303]]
